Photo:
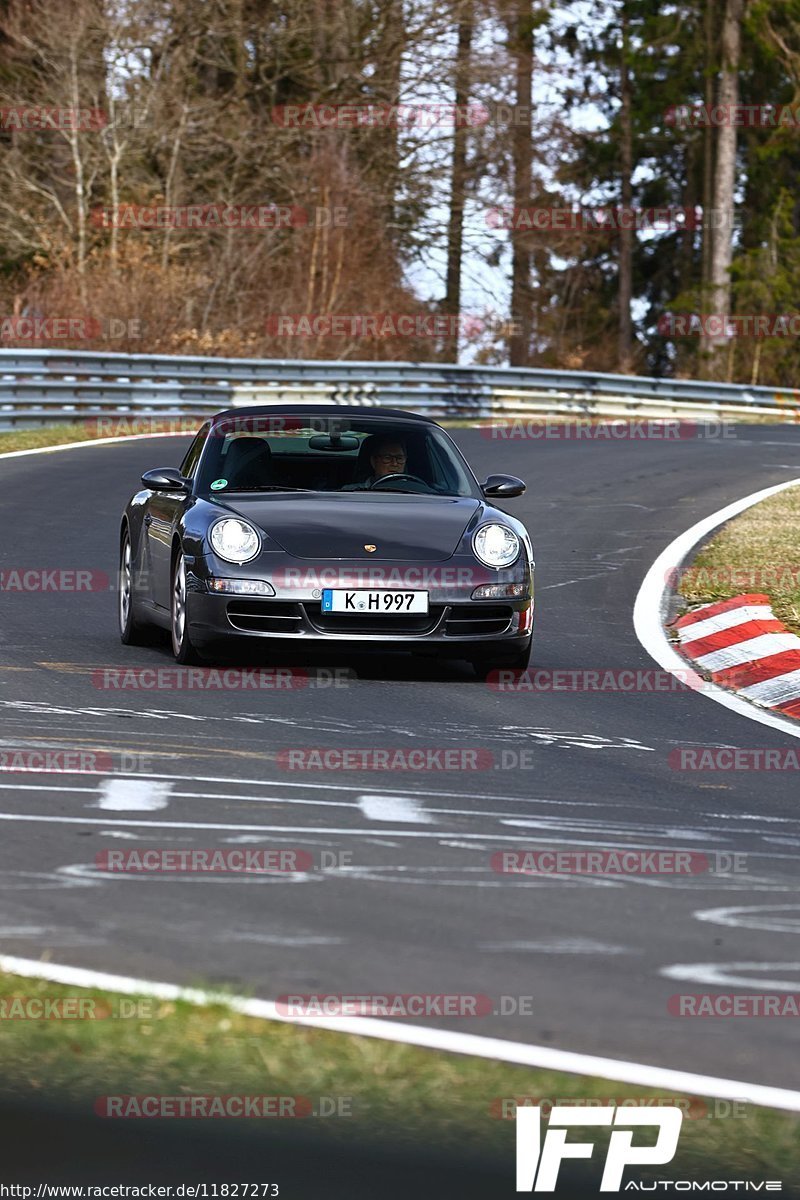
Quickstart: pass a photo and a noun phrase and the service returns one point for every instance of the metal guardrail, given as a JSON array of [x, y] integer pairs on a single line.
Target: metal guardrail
[[47, 386]]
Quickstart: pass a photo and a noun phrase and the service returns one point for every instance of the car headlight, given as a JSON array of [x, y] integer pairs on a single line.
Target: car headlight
[[496, 545], [234, 540]]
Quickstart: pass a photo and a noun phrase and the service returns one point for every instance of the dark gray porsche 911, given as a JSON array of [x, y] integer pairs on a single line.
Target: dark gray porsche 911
[[320, 523]]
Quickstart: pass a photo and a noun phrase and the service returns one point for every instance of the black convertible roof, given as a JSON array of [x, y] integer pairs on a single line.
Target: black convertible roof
[[322, 410]]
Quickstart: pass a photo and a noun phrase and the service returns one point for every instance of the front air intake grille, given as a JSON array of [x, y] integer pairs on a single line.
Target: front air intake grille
[[473, 620], [265, 616]]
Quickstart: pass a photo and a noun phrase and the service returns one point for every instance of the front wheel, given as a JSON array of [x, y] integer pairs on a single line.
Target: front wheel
[[182, 646], [130, 631]]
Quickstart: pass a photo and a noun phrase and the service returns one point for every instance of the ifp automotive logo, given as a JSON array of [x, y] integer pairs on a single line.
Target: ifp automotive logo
[[538, 1160]]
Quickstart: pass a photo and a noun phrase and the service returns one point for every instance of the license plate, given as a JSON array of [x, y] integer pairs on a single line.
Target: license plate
[[358, 603]]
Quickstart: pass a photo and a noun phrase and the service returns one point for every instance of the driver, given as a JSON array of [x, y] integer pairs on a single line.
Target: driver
[[388, 457]]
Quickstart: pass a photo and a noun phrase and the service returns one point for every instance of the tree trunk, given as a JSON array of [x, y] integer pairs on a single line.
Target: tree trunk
[[708, 151], [521, 44], [626, 235], [724, 178], [387, 85], [458, 177]]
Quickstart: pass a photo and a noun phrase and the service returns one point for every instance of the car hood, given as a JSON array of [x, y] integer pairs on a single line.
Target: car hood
[[339, 525]]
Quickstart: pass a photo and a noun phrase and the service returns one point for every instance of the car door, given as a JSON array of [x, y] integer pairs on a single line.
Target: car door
[[163, 512]]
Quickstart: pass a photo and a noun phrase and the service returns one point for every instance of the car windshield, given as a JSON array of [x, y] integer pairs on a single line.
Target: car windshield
[[287, 453]]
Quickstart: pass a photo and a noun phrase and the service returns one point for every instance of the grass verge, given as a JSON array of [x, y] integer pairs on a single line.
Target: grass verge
[[141, 1047], [59, 435], [755, 552]]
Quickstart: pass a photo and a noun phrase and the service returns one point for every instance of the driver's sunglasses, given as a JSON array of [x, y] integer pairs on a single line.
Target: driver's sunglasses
[[388, 458]]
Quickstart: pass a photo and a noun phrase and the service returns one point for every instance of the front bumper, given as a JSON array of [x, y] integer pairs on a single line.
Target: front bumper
[[295, 612]]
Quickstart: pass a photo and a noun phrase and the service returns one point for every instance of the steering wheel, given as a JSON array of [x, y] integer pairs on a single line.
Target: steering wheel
[[399, 475]]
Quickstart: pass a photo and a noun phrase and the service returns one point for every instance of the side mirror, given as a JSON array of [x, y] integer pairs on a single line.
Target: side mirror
[[502, 487], [165, 479]]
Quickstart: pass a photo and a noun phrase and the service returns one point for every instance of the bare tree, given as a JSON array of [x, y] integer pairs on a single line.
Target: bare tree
[[458, 172], [724, 176], [520, 35], [709, 29], [48, 177], [625, 291]]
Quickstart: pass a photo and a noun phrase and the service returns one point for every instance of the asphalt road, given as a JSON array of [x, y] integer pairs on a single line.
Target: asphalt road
[[408, 901]]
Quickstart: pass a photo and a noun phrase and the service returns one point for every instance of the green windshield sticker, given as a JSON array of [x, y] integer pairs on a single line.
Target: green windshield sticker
[[219, 484]]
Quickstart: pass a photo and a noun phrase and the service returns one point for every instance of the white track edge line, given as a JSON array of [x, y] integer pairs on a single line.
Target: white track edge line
[[650, 608], [450, 1041]]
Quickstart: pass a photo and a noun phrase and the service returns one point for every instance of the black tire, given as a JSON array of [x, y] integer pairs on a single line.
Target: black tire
[[518, 660], [131, 631], [182, 646]]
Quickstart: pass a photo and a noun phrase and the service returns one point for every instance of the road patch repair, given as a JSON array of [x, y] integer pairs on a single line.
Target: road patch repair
[[741, 645]]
